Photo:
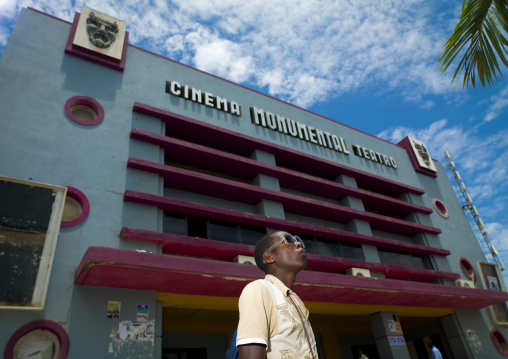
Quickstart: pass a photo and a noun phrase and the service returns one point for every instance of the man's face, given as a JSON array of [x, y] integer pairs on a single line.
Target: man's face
[[293, 257]]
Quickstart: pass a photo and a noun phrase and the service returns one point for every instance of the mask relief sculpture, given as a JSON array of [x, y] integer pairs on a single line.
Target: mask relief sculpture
[[101, 33]]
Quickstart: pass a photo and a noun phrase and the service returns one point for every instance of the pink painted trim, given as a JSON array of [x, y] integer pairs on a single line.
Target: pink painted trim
[[226, 251], [498, 339], [467, 268], [441, 208], [95, 57], [246, 168], [242, 140], [119, 268], [44, 324], [197, 209], [86, 102], [205, 184], [79, 196]]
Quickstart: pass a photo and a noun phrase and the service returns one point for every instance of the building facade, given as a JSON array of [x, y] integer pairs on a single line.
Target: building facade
[[167, 176]]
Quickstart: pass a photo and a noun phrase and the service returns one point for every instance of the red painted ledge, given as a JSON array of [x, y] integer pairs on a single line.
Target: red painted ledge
[[205, 184], [207, 158], [119, 268], [231, 141], [197, 209], [225, 251]]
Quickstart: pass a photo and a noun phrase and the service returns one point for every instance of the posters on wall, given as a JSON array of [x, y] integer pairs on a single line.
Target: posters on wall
[[141, 330], [395, 326], [129, 332], [474, 342]]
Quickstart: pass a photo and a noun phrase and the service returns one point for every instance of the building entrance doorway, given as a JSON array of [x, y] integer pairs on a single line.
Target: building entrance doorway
[[184, 353]]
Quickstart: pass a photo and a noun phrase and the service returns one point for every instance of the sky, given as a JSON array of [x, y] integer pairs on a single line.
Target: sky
[[369, 64]]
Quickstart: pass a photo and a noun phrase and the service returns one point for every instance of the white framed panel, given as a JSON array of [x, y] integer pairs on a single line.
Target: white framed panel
[[30, 216], [492, 279]]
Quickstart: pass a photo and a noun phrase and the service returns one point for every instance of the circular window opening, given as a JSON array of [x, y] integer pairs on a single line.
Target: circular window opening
[[467, 268], [84, 110], [38, 339], [38, 343], [499, 341], [440, 208], [76, 207], [84, 113], [72, 209]]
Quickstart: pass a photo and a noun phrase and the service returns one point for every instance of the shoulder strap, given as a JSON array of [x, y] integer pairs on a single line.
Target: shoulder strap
[[303, 324]]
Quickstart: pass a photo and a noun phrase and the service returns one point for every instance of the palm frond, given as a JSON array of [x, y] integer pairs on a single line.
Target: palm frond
[[480, 32]]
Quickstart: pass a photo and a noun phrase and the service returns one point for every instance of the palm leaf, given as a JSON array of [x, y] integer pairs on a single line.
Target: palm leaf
[[479, 38]]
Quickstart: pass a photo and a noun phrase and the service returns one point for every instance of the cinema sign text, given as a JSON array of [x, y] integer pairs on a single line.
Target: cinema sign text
[[278, 123]]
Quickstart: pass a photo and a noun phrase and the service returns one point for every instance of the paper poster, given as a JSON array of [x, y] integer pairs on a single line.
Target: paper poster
[[129, 333], [114, 309], [399, 340], [142, 313], [493, 283], [391, 326], [133, 331], [474, 342]]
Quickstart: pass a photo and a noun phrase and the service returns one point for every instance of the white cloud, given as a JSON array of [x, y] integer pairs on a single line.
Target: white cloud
[[224, 58], [316, 50], [499, 102]]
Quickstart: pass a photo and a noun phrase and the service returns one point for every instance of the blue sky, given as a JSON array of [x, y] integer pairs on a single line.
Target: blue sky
[[368, 64]]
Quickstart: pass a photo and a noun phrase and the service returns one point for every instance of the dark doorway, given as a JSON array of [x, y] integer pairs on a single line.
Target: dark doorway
[[421, 349], [369, 350], [184, 353], [436, 339]]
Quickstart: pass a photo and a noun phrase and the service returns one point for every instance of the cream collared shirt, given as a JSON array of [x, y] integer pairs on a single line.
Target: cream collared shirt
[[268, 316]]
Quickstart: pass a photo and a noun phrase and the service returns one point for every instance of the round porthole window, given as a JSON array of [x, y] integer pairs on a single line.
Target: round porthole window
[[38, 339], [84, 110], [76, 207], [467, 268], [440, 208], [499, 341]]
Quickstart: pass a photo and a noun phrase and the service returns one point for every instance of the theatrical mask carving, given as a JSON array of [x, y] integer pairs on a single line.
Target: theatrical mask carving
[[101, 33], [422, 151]]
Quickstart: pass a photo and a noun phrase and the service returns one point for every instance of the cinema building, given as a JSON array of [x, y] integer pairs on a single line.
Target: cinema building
[[134, 189]]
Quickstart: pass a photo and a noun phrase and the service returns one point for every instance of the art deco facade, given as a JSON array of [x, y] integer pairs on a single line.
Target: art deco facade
[[171, 175]]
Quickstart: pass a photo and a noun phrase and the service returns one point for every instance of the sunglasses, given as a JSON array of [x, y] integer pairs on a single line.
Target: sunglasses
[[288, 239]]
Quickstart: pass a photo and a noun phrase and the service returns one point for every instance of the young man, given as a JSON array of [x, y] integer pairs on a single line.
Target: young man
[[273, 320]]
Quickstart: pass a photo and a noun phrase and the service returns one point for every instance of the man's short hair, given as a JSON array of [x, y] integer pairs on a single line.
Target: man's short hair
[[263, 244]]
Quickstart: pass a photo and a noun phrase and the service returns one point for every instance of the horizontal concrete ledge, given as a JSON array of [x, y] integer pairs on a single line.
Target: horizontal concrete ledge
[[205, 184], [231, 141], [119, 268], [225, 251], [230, 215], [206, 158]]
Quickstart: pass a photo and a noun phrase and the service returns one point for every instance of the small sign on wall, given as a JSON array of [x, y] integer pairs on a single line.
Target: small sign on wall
[[142, 313], [114, 309]]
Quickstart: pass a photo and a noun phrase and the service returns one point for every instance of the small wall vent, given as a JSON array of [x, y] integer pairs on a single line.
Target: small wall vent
[[358, 272]]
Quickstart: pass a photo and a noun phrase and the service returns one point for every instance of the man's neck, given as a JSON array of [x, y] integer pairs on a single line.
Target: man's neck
[[288, 279]]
